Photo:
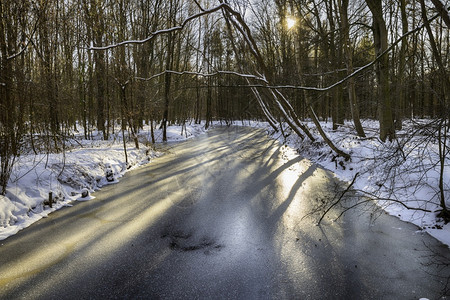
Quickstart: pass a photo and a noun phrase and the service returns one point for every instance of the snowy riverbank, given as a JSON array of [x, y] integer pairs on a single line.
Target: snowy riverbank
[[87, 166], [399, 177]]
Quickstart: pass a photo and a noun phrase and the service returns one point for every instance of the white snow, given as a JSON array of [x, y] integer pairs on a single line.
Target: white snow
[[88, 165]]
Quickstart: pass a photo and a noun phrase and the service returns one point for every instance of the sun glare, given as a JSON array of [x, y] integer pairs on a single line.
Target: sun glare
[[290, 22]]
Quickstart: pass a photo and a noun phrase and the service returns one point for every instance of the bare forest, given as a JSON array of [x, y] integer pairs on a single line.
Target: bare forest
[[102, 66]]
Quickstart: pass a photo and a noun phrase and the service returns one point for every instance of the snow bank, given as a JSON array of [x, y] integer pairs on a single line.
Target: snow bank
[[6, 212], [88, 167]]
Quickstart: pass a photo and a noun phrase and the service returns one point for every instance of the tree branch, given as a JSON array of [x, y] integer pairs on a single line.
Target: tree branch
[[164, 31], [27, 44], [373, 196], [248, 76], [340, 198], [443, 12]]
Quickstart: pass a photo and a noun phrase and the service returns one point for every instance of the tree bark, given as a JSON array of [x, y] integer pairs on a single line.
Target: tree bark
[[387, 129], [437, 55], [401, 99], [354, 106], [99, 61]]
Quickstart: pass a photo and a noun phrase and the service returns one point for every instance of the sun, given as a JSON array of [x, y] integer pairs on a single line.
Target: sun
[[290, 22]]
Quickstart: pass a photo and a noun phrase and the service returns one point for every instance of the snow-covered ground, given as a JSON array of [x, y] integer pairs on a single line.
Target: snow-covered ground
[[408, 176]]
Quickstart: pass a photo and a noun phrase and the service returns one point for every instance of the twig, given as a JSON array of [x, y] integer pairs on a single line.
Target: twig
[[31, 169], [393, 200], [340, 198]]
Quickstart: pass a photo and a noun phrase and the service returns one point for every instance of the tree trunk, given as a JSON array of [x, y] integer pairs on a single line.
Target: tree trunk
[[387, 130], [437, 55], [445, 213], [99, 61], [167, 79], [6, 103], [354, 106], [401, 99], [169, 66]]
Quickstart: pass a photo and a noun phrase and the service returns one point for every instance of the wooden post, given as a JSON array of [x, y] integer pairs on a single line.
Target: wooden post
[[50, 199]]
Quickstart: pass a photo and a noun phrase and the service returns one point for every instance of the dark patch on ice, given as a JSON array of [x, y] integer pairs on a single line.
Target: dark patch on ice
[[187, 242]]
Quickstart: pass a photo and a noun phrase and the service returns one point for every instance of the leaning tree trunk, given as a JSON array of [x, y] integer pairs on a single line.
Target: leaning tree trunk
[[274, 97]]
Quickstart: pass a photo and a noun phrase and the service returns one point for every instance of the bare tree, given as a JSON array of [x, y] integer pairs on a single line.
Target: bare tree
[[354, 106], [380, 35]]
